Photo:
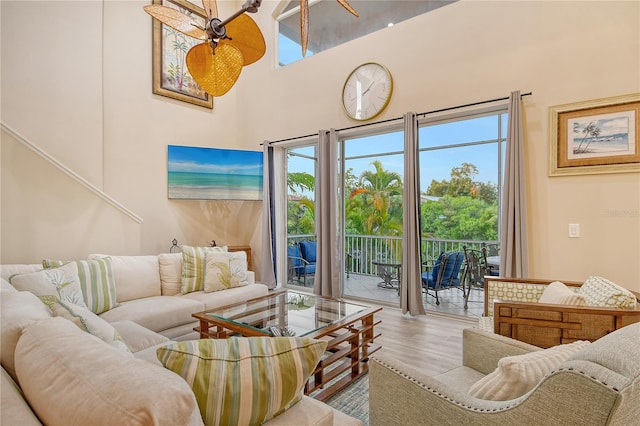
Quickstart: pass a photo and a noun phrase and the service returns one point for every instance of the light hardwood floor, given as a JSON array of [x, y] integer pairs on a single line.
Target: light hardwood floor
[[432, 343]]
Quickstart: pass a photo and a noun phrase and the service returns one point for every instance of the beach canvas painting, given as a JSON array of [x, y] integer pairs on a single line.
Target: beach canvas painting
[[214, 174], [602, 135]]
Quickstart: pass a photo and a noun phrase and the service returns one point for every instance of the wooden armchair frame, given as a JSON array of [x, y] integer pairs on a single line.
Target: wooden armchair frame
[[545, 325]]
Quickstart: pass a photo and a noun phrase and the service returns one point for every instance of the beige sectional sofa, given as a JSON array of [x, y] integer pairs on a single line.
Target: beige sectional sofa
[[55, 373]]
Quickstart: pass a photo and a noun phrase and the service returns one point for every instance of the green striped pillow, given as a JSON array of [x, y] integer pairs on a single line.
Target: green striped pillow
[[193, 267], [244, 380], [96, 282]]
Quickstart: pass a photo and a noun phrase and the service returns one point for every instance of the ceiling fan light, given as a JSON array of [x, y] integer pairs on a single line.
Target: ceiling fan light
[[216, 73]]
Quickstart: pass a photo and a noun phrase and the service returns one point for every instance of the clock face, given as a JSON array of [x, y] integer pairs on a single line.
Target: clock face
[[367, 91]]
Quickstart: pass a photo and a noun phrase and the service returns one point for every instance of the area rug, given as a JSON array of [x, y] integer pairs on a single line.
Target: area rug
[[353, 400]]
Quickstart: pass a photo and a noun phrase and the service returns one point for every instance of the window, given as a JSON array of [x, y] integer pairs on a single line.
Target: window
[[331, 25]]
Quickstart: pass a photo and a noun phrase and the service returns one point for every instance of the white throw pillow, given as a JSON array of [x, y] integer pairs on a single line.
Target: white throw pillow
[[517, 375], [600, 291], [52, 284], [89, 322], [135, 277], [6, 285], [170, 273], [559, 294], [225, 270], [72, 378]]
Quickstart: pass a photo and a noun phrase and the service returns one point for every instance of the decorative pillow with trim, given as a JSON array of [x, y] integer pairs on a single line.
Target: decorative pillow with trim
[[244, 380], [225, 270], [517, 375], [600, 291], [89, 322], [193, 267], [96, 282], [52, 284], [559, 294]]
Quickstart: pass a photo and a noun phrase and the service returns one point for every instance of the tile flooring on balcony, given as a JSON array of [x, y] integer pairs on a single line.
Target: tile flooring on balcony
[[451, 301]]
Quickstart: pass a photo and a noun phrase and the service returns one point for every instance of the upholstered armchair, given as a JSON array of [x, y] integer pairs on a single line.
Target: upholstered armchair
[[597, 385]]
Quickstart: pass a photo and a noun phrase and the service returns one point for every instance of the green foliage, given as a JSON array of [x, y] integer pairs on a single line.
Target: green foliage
[[464, 209]]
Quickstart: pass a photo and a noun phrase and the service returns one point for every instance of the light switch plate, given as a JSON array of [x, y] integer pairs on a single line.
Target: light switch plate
[[574, 230]]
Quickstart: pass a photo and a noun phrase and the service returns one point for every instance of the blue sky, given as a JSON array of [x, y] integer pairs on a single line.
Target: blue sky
[[214, 160], [435, 163]]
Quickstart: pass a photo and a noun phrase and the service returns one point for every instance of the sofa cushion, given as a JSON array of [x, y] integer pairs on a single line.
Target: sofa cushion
[[170, 273], [559, 294], [14, 409], [600, 291], [193, 267], [63, 376], [52, 284], [225, 270], [6, 285], [517, 375], [309, 411], [156, 313], [137, 337], [244, 380], [233, 295], [135, 276], [96, 282], [89, 322], [17, 310], [6, 271]]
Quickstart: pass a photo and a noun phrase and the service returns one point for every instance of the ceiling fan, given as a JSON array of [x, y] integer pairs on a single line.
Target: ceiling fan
[[216, 63], [227, 45]]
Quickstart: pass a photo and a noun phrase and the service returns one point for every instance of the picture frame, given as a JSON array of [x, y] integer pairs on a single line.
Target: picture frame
[[595, 137], [171, 77]]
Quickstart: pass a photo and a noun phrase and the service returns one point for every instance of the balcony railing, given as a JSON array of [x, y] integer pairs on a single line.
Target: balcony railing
[[362, 250]]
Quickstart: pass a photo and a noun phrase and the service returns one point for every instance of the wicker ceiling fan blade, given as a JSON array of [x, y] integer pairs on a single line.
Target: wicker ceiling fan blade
[[349, 8], [245, 35], [304, 25], [176, 20], [210, 8], [216, 73]]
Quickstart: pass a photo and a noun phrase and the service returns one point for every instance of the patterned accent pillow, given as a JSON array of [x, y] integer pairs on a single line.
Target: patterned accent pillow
[[89, 322], [244, 380], [52, 284], [517, 375], [512, 291], [600, 291], [559, 294], [193, 267], [225, 270], [96, 282]]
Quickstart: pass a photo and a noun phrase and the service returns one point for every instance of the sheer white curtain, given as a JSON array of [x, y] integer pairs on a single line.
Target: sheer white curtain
[[514, 261], [411, 281], [329, 249], [268, 264]]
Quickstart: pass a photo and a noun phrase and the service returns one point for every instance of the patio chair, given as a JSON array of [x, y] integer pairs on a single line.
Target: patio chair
[[491, 250], [476, 266], [444, 275], [298, 266]]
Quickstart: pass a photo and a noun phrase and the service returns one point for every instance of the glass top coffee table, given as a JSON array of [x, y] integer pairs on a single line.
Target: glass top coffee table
[[348, 329]]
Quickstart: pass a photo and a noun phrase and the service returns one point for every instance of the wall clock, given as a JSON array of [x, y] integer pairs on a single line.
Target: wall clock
[[367, 91]]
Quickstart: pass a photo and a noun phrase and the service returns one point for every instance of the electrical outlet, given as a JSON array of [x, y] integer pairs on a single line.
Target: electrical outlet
[[574, 230]]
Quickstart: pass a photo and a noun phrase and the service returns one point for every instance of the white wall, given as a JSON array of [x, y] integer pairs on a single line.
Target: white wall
[[81, 90]]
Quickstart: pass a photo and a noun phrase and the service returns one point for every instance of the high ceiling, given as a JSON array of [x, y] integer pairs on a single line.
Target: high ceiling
[[330, 24]]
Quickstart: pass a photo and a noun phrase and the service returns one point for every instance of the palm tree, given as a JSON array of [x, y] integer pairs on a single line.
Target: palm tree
[[373, 204]]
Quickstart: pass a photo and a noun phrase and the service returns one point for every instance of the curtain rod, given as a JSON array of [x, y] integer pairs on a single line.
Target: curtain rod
[[422, 114]]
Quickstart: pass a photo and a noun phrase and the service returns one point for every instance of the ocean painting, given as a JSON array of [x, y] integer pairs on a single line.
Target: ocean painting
[[214, 174], [603, 135]]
